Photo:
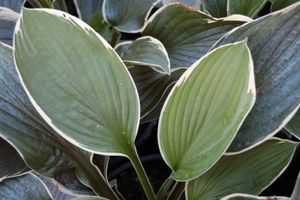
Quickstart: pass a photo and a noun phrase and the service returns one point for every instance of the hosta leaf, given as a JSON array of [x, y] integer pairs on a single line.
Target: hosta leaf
[[127, 15], [252, 197], [41, 3], [294, 125], [275, 52], [90, 11], [11, 163], [25, 187], [248, 172], [22, 126], [89, 198], [15, 5], [152, 85], [193, 3], [279, 4], [93, 101], [146, 51], [8, 19], [187, 34], [296, 192], [216, 8], [205, 109], [245, 7]]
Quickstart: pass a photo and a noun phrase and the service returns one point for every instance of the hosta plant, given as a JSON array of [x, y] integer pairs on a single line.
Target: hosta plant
[[221, 80]]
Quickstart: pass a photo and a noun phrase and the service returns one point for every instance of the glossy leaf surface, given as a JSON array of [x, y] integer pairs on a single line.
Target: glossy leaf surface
[[216, 8], [25, 187], [15, 5], [11, 163], [248, 172], [245, 7], [274, 41], [93, 101], [205, 109], [8, 19], [187, 34], [146, 51], [127, 15]]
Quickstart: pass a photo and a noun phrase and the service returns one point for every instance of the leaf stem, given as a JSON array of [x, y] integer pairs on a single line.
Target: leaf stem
[[136, 162], [177, 191], [165, 188]]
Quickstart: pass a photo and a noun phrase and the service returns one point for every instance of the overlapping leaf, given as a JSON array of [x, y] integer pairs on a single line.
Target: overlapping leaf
[[25, 187], [245, 7], [205, 109], [252, 197], [294, 125], [187, 34], [193, 3], [8, 19], [248, 172], [146, 51], [89, 198], [11, 163], [216, 8], [274, 42], [280, 4], [15, 5], [127, 15], [152, 85], [81, 88], [41, 3], [296, 192], [40, 146]]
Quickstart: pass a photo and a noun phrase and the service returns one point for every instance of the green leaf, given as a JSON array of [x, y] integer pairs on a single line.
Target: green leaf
[[205, 109], [22, 126], [89, 198], [146, 51], [127, 15], [11, 163], [294, 125], [296, 192], [248, 172], [93, 103], [152, 85], [25, 187], [15, 5], [274, 44], [245, 7], [41, 3], [192, 3], [8, 19], [251, 197], [279, 4], [187, 34], [216, 8], [60, 5]]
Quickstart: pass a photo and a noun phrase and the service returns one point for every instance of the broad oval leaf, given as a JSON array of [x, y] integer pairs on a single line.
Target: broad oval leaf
[[146, 51], [216, 8], [275, 52], [15, 5], [187, 34], [11, 163], [22, 126], [252, 197], [294, 125], [25, 187], [205, 109], [245, 7], [127, 15], [192, 3], [82, 89], [248, 172], [280, 4], [8, 19]]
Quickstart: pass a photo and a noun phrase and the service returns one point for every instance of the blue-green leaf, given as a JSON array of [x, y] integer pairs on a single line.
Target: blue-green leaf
[[8, 19], [245, 7]]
